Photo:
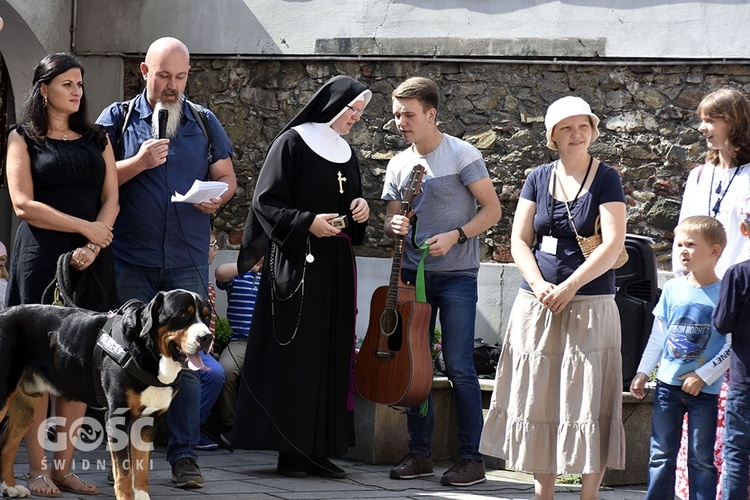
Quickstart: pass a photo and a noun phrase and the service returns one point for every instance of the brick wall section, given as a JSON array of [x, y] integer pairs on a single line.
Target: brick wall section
[[649, 127]]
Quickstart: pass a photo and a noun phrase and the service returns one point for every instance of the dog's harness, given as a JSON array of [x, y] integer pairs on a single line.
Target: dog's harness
[[107, 344]]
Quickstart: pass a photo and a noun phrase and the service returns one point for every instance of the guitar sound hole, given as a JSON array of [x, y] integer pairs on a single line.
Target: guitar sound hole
[[390, 325], [394, 341]]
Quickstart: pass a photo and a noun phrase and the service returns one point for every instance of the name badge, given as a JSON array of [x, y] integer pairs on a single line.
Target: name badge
[[549, 245]]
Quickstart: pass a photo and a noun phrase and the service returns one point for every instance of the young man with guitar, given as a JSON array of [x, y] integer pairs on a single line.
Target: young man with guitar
[[455, 179]]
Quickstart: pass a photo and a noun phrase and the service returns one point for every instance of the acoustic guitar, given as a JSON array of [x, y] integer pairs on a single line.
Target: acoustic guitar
[[394, 365]]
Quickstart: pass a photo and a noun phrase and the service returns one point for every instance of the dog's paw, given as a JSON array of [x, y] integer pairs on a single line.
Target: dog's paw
[[15, 491], [141, 495]]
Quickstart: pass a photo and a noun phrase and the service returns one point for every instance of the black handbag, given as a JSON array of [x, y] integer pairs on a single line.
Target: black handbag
[[485, 358]]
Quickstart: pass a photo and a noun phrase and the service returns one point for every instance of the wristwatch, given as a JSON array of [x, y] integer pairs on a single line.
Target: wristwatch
[[461, 236]]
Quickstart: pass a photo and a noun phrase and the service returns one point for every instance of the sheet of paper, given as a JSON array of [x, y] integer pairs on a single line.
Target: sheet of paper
[[201, 191]]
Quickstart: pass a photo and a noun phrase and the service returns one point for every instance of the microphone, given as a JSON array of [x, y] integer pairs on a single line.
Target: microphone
[[162, 124]]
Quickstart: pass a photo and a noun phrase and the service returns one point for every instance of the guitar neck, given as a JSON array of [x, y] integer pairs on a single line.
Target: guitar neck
[[398, 255]]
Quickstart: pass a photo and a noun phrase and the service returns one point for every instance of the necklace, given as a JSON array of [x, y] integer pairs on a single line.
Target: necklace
[[63, 135], [555, 181], [580, 187]]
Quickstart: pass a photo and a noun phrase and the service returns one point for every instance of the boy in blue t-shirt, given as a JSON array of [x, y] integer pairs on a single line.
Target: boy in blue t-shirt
[[732, 314], [683, 342]]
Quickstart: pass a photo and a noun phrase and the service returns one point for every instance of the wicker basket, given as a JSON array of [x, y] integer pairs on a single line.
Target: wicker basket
[[589, 244]]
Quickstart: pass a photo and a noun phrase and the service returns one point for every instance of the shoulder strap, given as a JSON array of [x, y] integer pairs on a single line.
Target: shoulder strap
[[126, 109], [201, 117]]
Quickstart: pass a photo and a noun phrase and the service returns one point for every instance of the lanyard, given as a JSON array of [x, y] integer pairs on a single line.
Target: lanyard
[[419, 287], [717, 205], [551, 207]]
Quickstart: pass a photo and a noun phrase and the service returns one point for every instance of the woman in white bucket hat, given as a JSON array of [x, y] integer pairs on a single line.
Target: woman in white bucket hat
[[557, 407]]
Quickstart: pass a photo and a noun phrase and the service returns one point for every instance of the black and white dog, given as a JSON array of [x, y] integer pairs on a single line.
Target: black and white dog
[[128, 362]]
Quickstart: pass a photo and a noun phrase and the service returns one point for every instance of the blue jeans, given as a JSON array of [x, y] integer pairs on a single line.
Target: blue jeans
[[455, 299], [736, 445], [187, 411], [184, 414], [212, 381], [670, 405]]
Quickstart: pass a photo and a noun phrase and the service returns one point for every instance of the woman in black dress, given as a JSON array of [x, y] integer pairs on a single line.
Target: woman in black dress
[[297, 391], [63, 185]]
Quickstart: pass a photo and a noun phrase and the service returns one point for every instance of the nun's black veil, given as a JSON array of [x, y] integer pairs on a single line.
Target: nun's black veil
[[327, 102]]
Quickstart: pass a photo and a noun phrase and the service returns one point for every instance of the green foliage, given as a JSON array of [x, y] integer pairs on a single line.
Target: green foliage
[[223, 334], [437, 346], [437, 342]]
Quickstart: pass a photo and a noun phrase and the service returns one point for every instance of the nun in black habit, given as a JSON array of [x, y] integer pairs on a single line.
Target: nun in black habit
[[297, 394]]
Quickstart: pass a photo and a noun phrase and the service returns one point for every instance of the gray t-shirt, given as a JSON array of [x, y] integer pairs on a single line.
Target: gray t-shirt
[[444, 204]]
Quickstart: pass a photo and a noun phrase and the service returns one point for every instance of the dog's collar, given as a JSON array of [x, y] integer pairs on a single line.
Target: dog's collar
[[107, 344]]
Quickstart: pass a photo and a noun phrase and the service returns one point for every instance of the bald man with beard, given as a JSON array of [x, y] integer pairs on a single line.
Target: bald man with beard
[[160, 245]]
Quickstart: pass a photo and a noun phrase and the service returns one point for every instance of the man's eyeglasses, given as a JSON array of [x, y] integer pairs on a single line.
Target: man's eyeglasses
[[213, 244], [355, 110]]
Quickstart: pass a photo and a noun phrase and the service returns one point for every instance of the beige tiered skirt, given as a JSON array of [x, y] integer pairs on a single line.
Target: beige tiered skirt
[[557, 402]]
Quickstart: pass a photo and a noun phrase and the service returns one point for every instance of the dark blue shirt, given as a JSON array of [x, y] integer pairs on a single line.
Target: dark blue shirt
[[150, 230], [605, 188], [732, 315]]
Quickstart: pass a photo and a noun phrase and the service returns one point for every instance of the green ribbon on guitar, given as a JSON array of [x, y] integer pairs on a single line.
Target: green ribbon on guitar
[[420, 290]]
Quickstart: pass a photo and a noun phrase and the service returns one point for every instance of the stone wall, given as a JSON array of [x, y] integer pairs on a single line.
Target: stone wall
[[649, 127]]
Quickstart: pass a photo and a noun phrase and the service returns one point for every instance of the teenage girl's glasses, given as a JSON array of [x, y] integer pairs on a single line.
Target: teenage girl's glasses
[[356, 111], [213, 244]]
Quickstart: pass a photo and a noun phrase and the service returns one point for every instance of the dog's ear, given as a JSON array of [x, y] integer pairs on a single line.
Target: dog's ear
[[131, 314], [150, 314]]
